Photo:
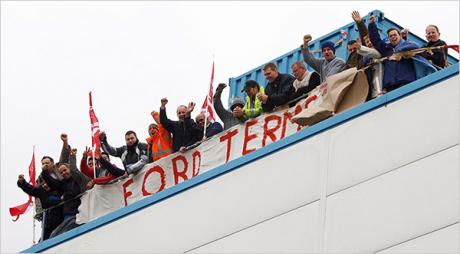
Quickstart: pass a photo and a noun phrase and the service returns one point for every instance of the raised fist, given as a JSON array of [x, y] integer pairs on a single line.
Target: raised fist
[[64, 138], [221, 86], [306, 39], [164, 101]]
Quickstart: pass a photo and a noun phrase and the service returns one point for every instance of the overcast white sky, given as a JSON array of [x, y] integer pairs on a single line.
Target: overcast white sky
[[131, 54]]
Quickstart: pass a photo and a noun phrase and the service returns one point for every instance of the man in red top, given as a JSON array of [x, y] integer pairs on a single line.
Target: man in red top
[[87, 167]]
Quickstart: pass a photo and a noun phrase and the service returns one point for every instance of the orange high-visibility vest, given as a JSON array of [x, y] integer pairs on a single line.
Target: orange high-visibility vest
[[161, 143]]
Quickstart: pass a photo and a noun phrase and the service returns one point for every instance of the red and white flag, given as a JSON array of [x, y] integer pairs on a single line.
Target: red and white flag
[[95, 131], [21, 209], [208, 107]]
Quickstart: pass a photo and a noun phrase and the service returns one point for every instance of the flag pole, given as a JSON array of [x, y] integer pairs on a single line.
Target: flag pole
[[33, 212], [93, 150]]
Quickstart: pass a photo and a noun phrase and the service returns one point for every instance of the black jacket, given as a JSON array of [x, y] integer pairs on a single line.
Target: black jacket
[[182, 134], [53, 217], [279, 92], [70, 188]]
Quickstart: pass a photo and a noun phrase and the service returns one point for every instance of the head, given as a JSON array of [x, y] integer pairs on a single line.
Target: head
[[237, 102], [394, 35], [368, 42], [45, 185], [252, 88], [47, 163], [105, 156], [270, 72], [90, 162], [432, 33], [153, 129], [64, 170], [199, 119], [298, 69], [181, 112], [351, 46], [328, 49], [130, 138]]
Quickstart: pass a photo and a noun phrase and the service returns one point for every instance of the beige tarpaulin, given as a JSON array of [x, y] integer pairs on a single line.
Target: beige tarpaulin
[[340, 92]]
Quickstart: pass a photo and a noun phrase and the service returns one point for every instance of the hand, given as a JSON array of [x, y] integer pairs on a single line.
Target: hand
[[357, 44], [21, 178], [164, 101], [238, 112], [64, 138], [356, 17], [191, 106], [73, 152], [262, 97], [89, 185], [372, 19], [221, 86], [306, 39], [404, 33], [102, 136], [182, 149], [85, 153]]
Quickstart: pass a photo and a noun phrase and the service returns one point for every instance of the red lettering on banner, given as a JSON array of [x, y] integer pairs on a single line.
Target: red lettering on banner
[[248, 137], [196, 170], [310, 99], [287, 117], [183, 173], [160, 171], [270, 132], [126, 194], [228, 136]]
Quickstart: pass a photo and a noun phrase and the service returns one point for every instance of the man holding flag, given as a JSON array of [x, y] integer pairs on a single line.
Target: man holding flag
[[47, 198]]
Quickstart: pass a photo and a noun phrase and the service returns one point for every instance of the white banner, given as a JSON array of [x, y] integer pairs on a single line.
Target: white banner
[[178, 167], [231, 144]]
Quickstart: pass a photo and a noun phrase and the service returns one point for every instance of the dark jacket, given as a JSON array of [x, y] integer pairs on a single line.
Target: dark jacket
[[439, 56], [70, 189], [133, 157], [212, 129], [279, 91], [396, 73], [53, 217], [182, 136]]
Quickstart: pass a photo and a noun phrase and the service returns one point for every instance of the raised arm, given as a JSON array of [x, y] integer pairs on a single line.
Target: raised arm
[[65, 152], [27, 188], [164, 120], [108, 148], [220, 110], [308, 57]]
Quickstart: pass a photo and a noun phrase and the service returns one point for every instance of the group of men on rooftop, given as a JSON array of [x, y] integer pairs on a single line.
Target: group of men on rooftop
[[63, 183]]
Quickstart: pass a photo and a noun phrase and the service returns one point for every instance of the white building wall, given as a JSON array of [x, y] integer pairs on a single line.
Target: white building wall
[[386, 181]]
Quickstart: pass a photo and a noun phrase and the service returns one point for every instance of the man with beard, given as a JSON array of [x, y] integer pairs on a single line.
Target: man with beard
[[134, 155]]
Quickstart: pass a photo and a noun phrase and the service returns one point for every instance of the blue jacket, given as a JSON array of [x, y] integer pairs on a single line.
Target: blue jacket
[[395, 72]]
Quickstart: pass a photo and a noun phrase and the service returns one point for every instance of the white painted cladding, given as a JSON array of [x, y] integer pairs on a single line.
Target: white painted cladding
[[387, 180]]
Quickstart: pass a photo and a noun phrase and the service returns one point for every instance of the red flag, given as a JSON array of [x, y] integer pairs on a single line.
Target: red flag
[[454, 47], [208, 105], [95, 131], [21, 209]]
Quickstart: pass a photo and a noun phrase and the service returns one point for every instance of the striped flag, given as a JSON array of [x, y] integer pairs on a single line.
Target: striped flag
[[208, 107]]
